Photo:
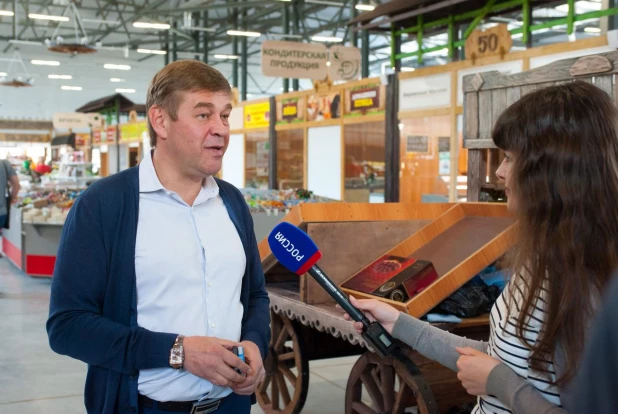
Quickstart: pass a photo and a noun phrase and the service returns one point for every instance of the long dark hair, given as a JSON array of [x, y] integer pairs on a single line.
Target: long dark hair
[[565, 179]]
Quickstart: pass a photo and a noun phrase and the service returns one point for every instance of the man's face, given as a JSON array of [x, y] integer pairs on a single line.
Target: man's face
[[199, 136]]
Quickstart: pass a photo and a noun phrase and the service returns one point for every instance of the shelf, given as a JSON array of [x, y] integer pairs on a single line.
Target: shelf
[[75, 163]]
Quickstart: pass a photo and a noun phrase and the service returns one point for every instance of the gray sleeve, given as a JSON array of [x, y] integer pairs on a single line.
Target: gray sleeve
[[432, 342], [520, 395], [10, 172]]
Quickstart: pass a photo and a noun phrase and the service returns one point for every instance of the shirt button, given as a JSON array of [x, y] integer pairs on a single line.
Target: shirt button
[[209, 284], [213, 325]]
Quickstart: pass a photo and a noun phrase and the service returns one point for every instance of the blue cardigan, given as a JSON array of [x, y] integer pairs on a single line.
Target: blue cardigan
[[93, 305]]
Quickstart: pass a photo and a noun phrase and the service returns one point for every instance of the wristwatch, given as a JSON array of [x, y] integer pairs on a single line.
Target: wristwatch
[[177, 353]]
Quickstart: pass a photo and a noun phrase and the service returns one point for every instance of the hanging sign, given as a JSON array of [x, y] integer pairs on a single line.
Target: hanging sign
[[365, 100], [111, 134], [345, 63], [290, 111], [96, 136], [257, 115], [71, 120], [294, 60], [425, 92], [132, 132], [494, 41]]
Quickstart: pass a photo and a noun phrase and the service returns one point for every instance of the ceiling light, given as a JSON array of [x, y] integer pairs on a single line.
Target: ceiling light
[[116, 67], [243, 33], [145, 25], [59, 77], [226, 57], [121, 90], [116, 80], [408, 69], [71, 88], [25, 42], [101, 21], [592, 29], [152, 52], [329, 39], [45, 62], [365, 7], [6, 13], [325, 3], [48, 17], [2, 73]]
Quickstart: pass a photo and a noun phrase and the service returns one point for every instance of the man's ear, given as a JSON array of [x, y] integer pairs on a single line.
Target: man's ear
[[157, 117]]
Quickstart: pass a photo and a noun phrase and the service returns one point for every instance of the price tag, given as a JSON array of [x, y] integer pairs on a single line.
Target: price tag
[[494, 41]]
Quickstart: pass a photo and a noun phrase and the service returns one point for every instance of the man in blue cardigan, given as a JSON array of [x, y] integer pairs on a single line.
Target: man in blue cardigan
[[158, 274]]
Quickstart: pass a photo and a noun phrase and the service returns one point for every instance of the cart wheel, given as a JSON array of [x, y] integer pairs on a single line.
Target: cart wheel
[[391, 386], [284, 388]]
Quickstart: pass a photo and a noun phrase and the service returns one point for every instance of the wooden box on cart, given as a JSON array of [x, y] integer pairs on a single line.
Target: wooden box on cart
[[460, 239]]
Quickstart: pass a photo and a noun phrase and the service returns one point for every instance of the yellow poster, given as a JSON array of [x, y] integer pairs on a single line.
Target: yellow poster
[[257, 115], [132, 132]]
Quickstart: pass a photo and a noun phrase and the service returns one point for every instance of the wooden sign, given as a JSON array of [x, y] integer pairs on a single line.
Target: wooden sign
[[494, 41], [257, 115], [365, 100], [24, 137], [294, 60], [291, 110]]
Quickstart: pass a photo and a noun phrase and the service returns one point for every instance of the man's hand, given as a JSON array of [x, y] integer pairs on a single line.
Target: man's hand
[[473, 370], [210, 358], [254, 358]]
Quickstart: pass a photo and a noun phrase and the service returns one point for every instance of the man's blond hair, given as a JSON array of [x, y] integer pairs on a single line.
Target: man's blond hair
[[167, 86]]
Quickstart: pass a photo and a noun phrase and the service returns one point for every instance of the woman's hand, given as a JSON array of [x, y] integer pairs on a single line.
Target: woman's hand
[[473, 370], [375, 311]]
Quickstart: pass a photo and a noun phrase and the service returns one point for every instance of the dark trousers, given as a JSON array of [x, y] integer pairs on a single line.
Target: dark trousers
[[232, 404]]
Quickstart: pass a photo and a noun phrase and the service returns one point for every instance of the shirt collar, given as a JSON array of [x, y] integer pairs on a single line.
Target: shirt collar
[[149, 181]]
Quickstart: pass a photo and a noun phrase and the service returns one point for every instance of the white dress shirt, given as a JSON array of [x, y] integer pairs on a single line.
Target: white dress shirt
[[189, 263]]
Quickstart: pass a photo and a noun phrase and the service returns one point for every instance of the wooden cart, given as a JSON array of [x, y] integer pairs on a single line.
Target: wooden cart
[[307, 326], [487, 95]]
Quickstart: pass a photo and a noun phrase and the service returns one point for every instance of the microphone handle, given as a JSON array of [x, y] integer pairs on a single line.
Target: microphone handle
[[338, 295]]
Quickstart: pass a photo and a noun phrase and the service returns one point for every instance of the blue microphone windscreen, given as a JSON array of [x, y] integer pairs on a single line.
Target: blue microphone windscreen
[[293, 248]]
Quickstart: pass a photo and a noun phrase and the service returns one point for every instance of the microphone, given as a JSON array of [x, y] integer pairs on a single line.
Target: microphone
[[295, 250]]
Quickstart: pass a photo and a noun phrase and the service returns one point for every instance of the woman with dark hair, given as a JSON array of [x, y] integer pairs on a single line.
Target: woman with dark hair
[[561, 177]]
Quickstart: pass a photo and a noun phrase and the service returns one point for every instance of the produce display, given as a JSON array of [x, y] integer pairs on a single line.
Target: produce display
[[47, 206], [279, 201]]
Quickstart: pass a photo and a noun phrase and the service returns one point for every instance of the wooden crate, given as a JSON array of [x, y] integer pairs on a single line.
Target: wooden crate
[[460, 243], [487, 95], [350, 236]]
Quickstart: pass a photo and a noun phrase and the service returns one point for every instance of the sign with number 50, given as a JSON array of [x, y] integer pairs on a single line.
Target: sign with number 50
[[494, 41]]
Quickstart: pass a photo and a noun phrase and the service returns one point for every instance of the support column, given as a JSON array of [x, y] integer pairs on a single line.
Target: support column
[[296, 23], [195, 17], [354, 14], [286, 30], [205, 38], [244, 63], [365, 55], [174, 42], [272, 154], [391, 183], [166, 58]]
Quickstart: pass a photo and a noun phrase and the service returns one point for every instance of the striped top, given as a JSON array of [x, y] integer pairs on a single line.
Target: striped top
[[505, 346]]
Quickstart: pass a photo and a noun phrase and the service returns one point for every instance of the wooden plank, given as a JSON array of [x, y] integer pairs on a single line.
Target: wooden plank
[[471, 116], [476, 173], [363, 119], [606, 83], [364, 242], [494, 163], [498, 104], [526, 89], [479, 144], [512, 95], [485, 114], [553, 72], [591, 65], [424, 113]]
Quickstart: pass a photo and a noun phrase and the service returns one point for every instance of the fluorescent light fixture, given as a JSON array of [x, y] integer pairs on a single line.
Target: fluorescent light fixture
[[408, 69], [152, 52], [102, 21], [67, 77], [146, 25], [48, 17], [116, 67], [71, 88], [45, 62], [325, 3], [226, 57], [280, 0], [122, 90], [581, 7], [117, 80], [6, 13], [365, 7], [592, 29], [2, 73], [328, 39], [243, 33], [284, 36]]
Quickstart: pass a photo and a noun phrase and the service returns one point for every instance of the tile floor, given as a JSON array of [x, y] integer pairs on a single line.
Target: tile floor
[[34, 380]]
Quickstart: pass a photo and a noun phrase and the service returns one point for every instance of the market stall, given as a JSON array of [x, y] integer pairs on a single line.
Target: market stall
[[459, 239]]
